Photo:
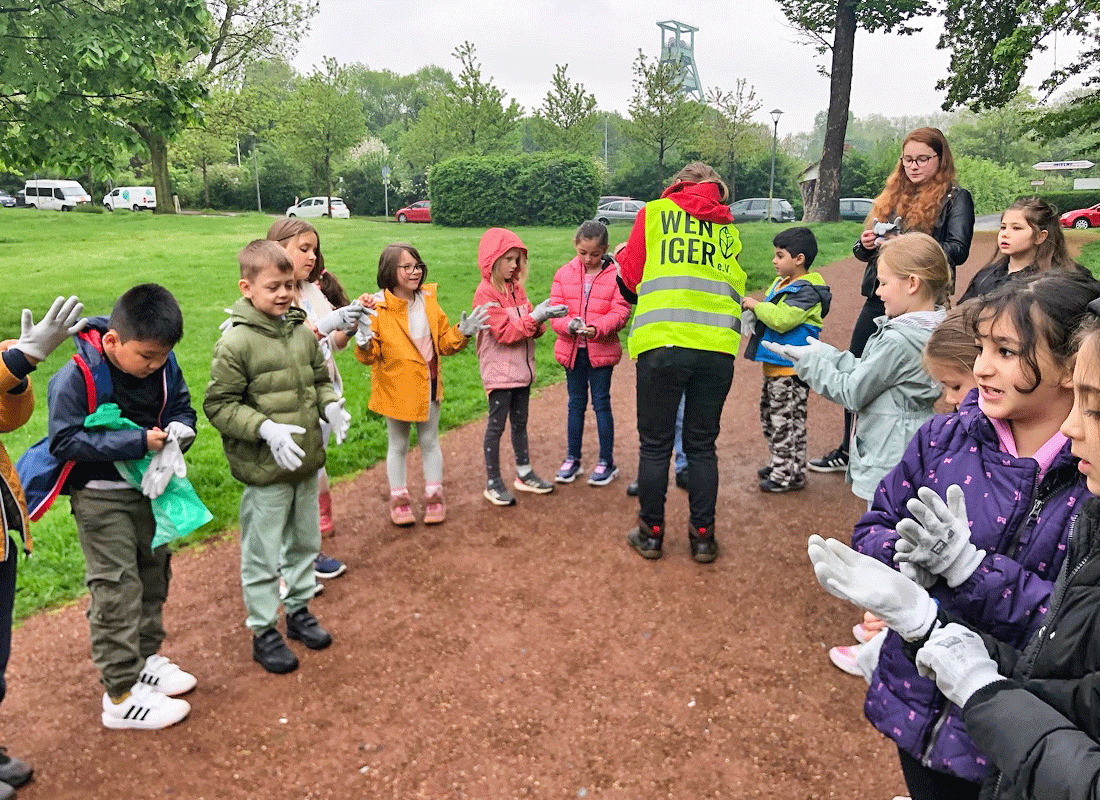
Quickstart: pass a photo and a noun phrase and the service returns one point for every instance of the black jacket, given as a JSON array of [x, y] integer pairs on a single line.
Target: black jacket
[[953, 230], [1041, 726]]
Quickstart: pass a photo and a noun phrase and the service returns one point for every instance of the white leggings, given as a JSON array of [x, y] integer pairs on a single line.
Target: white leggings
[[427, 436]]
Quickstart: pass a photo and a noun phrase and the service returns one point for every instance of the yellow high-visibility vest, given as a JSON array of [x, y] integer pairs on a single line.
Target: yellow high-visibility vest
[[691, 287]]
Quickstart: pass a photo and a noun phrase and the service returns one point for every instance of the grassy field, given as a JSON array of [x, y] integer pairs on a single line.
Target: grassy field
[[99, 256]]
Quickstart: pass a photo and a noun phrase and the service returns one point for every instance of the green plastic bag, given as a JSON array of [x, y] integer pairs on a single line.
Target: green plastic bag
[[178, 511]]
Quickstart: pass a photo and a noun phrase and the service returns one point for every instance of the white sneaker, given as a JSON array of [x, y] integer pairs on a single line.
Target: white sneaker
[[166, 677], [144, 709]]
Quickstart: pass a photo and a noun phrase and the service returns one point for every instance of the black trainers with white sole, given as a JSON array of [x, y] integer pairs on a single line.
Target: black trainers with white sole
[[836, 461]]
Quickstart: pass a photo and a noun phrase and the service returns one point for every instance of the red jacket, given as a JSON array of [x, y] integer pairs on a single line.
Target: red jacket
[[506, 351], [605, 310]]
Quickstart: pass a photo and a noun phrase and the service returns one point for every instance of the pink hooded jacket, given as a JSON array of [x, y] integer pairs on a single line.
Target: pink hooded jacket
[[506, 351], [605, 310]]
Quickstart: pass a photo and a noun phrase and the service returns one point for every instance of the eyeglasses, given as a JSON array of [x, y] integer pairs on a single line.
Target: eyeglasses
[[920, 161], [412, 267]]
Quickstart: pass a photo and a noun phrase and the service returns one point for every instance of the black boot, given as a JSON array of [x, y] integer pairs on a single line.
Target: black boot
[[304, 627], [704, 547], [647, 540], [632, 489], [13, 771], [271, 652]]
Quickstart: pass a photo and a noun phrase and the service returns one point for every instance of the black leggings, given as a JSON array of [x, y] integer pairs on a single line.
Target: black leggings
[[927, 784], [864, 327], [505, 404]]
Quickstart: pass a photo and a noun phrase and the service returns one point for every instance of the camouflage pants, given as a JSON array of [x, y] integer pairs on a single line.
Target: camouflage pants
[[783, 418]]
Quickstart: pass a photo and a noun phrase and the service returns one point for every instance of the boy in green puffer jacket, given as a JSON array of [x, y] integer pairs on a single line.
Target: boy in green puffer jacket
[[269, 388]]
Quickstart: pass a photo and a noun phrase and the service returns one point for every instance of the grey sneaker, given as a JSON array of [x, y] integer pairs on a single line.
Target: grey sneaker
[[496, 494], [533, 483]]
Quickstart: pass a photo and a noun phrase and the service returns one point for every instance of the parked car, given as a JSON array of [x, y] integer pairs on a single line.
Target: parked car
[[6, 200], [318, 207], [856, 208], [135, 198], [55, 195], [1082, 218], [607, 198], [755, 208], [420, 211], [619, 210]]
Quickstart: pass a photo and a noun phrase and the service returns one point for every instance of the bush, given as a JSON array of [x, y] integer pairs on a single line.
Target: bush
[[90, 208], [993, 186], [534, 189]]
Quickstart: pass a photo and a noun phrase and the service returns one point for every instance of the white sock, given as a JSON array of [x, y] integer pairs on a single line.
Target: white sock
[[523, 470]]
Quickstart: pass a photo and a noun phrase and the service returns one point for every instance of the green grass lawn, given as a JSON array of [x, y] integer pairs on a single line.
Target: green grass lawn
[[100, 256]]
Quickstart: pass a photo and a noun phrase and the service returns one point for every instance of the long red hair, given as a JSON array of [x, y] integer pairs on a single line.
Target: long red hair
[[918, 205]]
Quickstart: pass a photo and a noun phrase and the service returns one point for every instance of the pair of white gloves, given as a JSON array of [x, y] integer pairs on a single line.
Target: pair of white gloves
[[288, 453], [468, 324], [935, 543], [167, 461]]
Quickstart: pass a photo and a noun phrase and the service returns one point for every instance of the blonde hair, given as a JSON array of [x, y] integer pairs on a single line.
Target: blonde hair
[[521, 273], [952, 341], [920, 256], [260, 254], [698, 172], [918, 205]]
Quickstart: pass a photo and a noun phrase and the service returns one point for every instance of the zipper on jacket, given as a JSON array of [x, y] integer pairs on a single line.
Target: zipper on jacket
[[529, 343], [926, 756], [1039, 498]]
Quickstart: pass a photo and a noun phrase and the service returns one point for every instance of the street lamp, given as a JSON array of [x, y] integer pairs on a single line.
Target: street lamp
[[776, 114]]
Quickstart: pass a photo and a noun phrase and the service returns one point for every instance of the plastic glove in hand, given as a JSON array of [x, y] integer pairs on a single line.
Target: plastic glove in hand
[[913, 572], [288, 454], [956, 659], [868, 583], [478, 320], [544, 311], [344, 319], [340, 420], [165, 463], [37, 341], [184, 433], [940, 534], [794, 352]]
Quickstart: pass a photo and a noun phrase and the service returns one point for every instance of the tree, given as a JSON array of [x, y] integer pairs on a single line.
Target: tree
[[991, 43], [817, 18], [663, 115], [567, 117], [730, 127]]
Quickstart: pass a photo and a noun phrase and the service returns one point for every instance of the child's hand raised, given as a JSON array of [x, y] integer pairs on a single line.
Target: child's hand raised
[[367, 300]]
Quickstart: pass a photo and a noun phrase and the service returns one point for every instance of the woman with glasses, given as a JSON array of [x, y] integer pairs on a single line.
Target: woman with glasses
[[920, 195]]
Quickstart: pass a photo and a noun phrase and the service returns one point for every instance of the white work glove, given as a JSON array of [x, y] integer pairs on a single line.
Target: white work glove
[[956, 659], [288, 454], [165, 463], [37, 341], [748, 321], [226, 323], [364, 332], [478, 320], [339, 419], [544, 311], [794, 352], [940, 535], [344, 319], [913, 572], [868, 583], [184, 433]]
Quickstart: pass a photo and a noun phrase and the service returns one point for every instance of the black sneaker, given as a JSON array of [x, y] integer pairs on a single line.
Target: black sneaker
[[764, 472], [836, 461], [304, 627], [704, 547], [682, 479], [14, 772], [533, 483], [496, 494], [270, 652], [632, 489], [768, 485], [647, 540]]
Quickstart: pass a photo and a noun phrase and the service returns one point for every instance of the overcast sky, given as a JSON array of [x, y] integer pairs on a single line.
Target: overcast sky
[[520, 41]]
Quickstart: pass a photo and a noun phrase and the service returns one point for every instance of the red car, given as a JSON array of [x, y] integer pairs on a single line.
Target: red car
[[1082, 218], [420, 211]]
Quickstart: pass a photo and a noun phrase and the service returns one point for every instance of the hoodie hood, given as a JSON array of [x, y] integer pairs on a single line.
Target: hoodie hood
[[495, 242], [701, 200]]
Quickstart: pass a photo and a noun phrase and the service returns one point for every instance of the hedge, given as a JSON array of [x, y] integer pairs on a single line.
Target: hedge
[[1071, 201], [536, 189]]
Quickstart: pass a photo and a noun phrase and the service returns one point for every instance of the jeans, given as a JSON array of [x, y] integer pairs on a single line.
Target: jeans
[[702, 378], [925, 783], [861, 332], [577, 381]]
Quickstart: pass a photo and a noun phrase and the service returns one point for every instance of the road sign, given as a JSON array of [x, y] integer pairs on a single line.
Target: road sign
[[1063, 165], [1038, 183]]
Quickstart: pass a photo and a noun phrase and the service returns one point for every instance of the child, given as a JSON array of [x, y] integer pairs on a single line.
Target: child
[[128, 359], [1012, 482], [1030, 242], [320, 295], [506, 357], [269, 383], [791, 313], [588, 346], [405, 342], [887, 387]]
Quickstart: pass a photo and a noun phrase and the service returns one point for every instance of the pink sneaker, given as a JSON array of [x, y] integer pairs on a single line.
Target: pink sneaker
[[844, 657], [862, 634]]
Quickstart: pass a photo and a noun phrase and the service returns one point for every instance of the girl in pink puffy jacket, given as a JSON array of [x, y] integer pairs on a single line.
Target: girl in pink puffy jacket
[[588, 346]]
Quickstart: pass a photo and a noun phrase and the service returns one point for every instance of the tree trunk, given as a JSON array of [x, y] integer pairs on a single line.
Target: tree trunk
[[825, 206], [158, 167], [205, 185]]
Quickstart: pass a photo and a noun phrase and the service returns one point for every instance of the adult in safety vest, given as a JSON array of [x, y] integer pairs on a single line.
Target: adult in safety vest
[[681, 261]]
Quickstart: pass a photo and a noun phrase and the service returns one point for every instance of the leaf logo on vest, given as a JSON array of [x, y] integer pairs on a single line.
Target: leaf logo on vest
[[687, 240], [726, 243]]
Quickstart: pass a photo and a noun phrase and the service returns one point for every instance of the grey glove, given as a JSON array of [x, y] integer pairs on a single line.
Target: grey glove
[[913, 572], [794, 352], [165, 463], [288, 454], [344, 319], [544, 311], [339, 419], [184, 433], [478, 320], [37, 341], [940, 534], [868, 583], [748, 321], [955, 657], [364, 332], [575, 325], [226, 323]]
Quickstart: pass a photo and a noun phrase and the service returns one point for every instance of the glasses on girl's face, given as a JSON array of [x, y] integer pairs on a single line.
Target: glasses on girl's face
[[920, 161], [412, 267]]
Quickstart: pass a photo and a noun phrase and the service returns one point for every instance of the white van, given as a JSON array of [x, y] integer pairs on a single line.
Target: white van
[[133, 197], [53, 195]]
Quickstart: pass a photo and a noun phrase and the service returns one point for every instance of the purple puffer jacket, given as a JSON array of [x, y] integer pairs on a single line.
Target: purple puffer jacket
[[1021, 526]]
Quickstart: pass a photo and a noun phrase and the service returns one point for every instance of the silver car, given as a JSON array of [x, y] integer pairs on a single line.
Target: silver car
[[755, 208], [619, 210]]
